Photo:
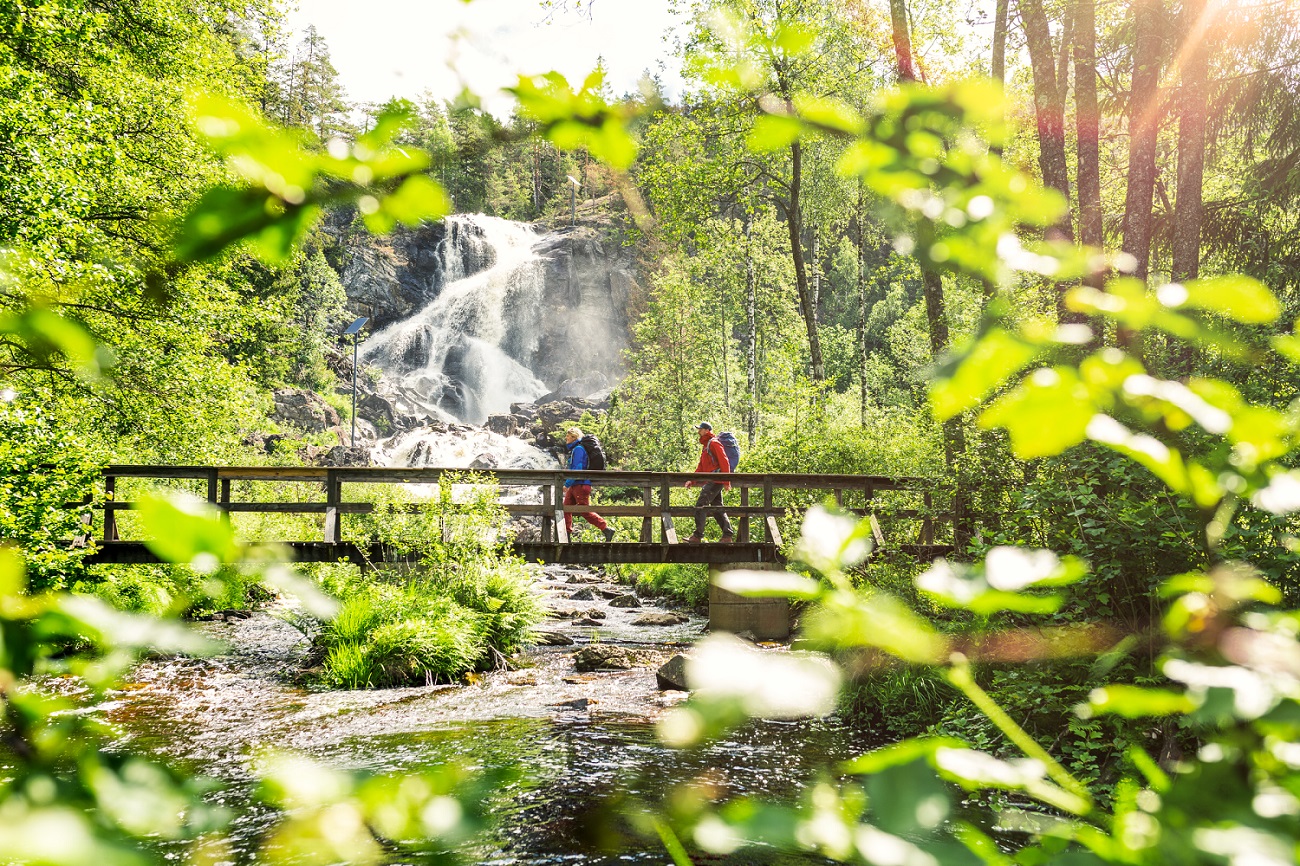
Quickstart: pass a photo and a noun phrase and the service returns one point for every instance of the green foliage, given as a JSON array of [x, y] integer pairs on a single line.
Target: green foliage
[[285, 187], [43, 470], [463, 606], [685, 583]]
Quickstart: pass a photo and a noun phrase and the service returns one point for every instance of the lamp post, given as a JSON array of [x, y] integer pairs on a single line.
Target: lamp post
[[573, 199], [353, 330]]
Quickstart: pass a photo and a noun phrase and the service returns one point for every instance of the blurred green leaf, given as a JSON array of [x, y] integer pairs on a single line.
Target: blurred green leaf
[[972, 373], [773, 132], [45, 334], [189, 531], [898, 754], [1134, 702], [767, 584], [1234, 296], [1048, 412]]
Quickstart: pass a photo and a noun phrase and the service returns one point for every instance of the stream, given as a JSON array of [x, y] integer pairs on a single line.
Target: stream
[[578, 738]]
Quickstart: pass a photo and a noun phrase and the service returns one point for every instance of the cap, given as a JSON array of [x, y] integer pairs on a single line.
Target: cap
[[704, 425]]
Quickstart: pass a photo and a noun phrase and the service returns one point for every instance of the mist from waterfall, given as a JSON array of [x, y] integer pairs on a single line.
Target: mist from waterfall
[[464, 356]]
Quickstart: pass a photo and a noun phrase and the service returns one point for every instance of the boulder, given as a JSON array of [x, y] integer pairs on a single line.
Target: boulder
[[584, 594], [506, 425], [484, 461], [303, 409], [546, 637], [556, 414], [659, 618], [526, 411], [602, 657], [671, 675], [627, 600], [381, 412], [610, 591], [341, 455]]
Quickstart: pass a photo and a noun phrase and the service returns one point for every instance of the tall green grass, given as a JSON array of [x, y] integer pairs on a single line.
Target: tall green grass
[[466, 604]]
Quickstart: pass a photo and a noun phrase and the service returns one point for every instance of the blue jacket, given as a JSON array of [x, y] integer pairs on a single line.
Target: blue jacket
[[577, 460]]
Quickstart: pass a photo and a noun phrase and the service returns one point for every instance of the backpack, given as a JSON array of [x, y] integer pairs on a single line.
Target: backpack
[[595, 453], [731, 447]]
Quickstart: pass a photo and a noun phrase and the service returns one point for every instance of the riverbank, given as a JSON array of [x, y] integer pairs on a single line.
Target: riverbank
[[578, 737]]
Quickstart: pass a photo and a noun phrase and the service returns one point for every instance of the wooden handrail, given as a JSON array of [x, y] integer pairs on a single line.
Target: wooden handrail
[[653, 489]]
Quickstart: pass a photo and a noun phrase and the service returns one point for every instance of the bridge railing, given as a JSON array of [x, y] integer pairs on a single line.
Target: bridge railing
[[757, 501]]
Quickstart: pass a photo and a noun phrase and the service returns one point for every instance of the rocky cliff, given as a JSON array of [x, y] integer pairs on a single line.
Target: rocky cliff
[[577, 324]]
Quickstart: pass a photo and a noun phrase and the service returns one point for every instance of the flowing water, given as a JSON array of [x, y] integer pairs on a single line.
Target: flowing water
[[465, 356], [577, 739]]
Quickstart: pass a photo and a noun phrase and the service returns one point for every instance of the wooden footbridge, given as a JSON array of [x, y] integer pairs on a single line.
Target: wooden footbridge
[[639, 505]]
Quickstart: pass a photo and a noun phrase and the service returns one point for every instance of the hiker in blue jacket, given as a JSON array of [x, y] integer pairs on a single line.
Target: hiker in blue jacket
[[577, 491]]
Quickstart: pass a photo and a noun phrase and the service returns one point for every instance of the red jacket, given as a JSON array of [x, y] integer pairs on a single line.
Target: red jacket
[[714, 459]]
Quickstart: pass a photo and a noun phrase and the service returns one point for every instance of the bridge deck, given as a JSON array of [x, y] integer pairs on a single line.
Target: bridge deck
[[646, 527]]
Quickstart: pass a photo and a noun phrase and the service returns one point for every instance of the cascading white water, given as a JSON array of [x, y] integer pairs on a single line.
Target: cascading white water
[[464, 356]]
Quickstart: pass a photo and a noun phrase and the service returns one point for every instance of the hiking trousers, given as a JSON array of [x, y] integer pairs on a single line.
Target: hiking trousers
[[580, 494], [710, 494]]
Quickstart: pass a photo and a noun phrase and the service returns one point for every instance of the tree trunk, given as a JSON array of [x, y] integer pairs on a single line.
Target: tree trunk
[[794, 220], [954, 436], [815, 272], [862, 307], [1087, 123], [723, 340], [1063, 60], [998, 64], [1143, 128], [1193, 106], [902, 40], [1049, 103], [751, 323]]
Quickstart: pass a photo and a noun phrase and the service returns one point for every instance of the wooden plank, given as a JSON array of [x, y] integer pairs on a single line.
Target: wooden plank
[[333, 493], [876, 531], [773, 532], [927, 526], [647, 521], [667, 532], [769, 523], [110, 518], [557, 484], [523, 477], [548, 521], [670, 531], [743, 511]]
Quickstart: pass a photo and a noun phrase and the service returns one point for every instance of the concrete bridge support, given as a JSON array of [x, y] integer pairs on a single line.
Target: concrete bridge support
[[765, 618]]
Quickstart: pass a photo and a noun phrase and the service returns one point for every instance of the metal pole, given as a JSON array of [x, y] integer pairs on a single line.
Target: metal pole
[[573, 205], [354, 390]]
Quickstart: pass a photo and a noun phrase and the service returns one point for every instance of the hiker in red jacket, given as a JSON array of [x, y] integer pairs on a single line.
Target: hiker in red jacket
[[712, 459]]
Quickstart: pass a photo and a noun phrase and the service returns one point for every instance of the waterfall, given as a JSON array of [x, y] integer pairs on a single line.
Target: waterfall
[[466, 354]]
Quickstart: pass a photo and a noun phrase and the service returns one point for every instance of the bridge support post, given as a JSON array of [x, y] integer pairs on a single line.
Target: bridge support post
[[765, 618]]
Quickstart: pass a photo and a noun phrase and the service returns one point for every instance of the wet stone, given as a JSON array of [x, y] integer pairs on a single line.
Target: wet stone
[[610, 592], [588, 621], [602, 657], [583, 595], [660, 618], [584, 578], [671, 675], [626, 600], [546, 637]]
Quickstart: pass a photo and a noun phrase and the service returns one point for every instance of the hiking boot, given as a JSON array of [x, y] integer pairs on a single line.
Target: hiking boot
[[726, 539], [609, 533], [694, 539]]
